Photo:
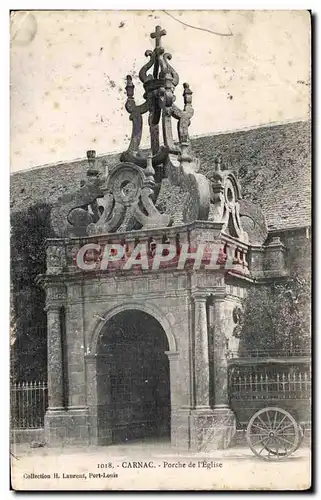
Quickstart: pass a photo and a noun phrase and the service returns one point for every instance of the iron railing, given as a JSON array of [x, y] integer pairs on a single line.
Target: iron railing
[[28, 404], [278, 385], [267, 353]]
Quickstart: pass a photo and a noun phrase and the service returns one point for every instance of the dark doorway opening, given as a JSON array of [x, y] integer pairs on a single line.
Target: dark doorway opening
[[133, 379]]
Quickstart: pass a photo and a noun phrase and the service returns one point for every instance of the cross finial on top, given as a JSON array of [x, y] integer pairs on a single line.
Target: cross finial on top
[[158, 33]]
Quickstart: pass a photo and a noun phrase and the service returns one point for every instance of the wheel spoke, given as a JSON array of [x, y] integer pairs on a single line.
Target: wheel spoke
[[264, 424], [260, 440], [275, 419], [268, 416], [286, 440], [264, 447], [286, 427], [261, 428], [272, 433], [283, 446], [274, 449], [285, 416]]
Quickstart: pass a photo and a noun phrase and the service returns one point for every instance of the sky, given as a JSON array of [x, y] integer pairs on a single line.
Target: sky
[[68, 68]]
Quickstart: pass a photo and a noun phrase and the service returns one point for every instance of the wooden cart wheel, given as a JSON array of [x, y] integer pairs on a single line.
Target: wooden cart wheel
[[284, 454], [273, 434]]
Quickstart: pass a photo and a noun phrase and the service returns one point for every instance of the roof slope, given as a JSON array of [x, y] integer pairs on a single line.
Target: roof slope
[[273, 164]]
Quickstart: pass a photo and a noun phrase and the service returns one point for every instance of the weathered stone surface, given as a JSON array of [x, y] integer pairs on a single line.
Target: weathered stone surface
[[56, 259], [212, 429], [197, 205], [74, 211], [274, 262], [178, 301], [219, 434], [253, 222], [55, 362], [217, 321], [67, 427], [201, 352]]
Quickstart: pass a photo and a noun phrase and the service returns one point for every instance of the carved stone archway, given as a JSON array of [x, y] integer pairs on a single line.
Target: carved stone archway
[[99, 433], [147, 308]]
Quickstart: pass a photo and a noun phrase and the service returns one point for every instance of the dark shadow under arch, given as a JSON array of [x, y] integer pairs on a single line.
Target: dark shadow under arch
[[133, 385]]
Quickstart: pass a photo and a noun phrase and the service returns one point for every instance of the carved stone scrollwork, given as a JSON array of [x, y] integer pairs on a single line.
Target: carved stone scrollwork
[[197, 205], [73, 211], [126, 199], [181, 168], [225, 199], [128, 185]]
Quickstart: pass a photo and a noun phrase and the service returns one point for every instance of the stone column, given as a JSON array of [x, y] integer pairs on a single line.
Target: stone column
[[55, 362], [220, 371], [201, 414], [224, 422], [201, 353]]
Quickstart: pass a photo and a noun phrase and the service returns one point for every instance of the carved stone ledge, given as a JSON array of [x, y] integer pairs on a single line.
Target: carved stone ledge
[[55, 293]]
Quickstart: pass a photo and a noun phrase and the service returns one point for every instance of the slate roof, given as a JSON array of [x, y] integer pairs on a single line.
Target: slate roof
[[273, 164]]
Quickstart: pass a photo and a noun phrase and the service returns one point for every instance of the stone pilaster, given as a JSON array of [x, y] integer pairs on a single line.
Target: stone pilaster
[[75, 347], [55, 361], [91, 389], [179, 433], [201, 362]]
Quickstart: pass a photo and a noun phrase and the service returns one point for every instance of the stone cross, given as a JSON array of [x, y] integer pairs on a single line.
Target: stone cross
[[158, 34]]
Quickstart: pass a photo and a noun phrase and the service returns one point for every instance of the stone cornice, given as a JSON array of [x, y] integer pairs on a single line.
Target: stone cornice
[[123, 296], [140, 234], [53, 307], [206, 292], [172, 355]]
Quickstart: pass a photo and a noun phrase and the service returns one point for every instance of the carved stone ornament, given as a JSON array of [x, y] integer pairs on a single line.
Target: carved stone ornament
[[73, 212], [126, 198], [56, 259], [128, 185], [225, 199], [238, 318]]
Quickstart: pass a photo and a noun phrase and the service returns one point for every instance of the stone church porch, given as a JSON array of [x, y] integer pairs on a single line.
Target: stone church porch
[[136, 354]]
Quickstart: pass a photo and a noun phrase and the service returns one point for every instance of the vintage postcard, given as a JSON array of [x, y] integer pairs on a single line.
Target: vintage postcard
[[160, 243]]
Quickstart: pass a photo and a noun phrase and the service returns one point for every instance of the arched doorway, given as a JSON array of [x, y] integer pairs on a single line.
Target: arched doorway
[[133, 386]]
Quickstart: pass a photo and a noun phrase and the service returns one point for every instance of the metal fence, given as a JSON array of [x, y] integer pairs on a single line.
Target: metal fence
[[28, 404], [278, 385], [272, 353]]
